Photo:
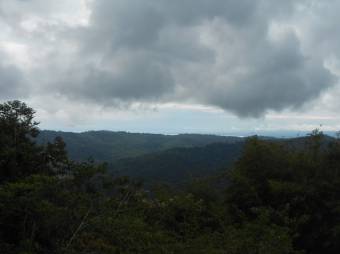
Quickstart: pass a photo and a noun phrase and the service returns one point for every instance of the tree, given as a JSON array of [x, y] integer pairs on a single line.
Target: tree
[[16, 118], [56, 156], [18, 153], [298, 189], [20, 156]]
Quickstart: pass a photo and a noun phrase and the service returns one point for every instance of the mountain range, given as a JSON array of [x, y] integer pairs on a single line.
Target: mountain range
[[108, 146], [151, 157], [158, 158]]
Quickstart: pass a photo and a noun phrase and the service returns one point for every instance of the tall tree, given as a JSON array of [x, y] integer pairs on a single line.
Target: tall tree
[[19, 155]]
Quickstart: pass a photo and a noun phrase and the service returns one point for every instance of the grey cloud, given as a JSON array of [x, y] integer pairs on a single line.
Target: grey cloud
[[321, 28], [278, 77], [217, 52], [138, 24], [143, 79], [12, 83]]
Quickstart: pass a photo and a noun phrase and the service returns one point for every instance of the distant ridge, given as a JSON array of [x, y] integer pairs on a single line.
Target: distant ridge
[[109, 146], [172, 159]]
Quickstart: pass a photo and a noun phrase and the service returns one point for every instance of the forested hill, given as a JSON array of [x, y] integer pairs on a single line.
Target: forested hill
[[179, 165], [170, 159], [109, 146]]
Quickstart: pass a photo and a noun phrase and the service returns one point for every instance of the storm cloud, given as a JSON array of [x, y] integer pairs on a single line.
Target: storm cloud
[[244, 56]]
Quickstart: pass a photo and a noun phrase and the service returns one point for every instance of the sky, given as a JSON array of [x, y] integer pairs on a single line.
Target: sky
[[179, 66]]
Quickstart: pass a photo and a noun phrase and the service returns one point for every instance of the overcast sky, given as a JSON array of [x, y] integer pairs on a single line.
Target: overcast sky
[[212, 66]]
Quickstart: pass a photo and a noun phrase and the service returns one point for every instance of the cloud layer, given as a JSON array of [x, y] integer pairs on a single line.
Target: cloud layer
[[243, 56]]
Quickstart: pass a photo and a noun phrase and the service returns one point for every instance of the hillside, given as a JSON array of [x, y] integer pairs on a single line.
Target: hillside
[[171, 159], [107, 146], [179, 165]]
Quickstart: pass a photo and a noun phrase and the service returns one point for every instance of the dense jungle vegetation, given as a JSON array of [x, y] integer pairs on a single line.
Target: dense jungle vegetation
[[276, 199]]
